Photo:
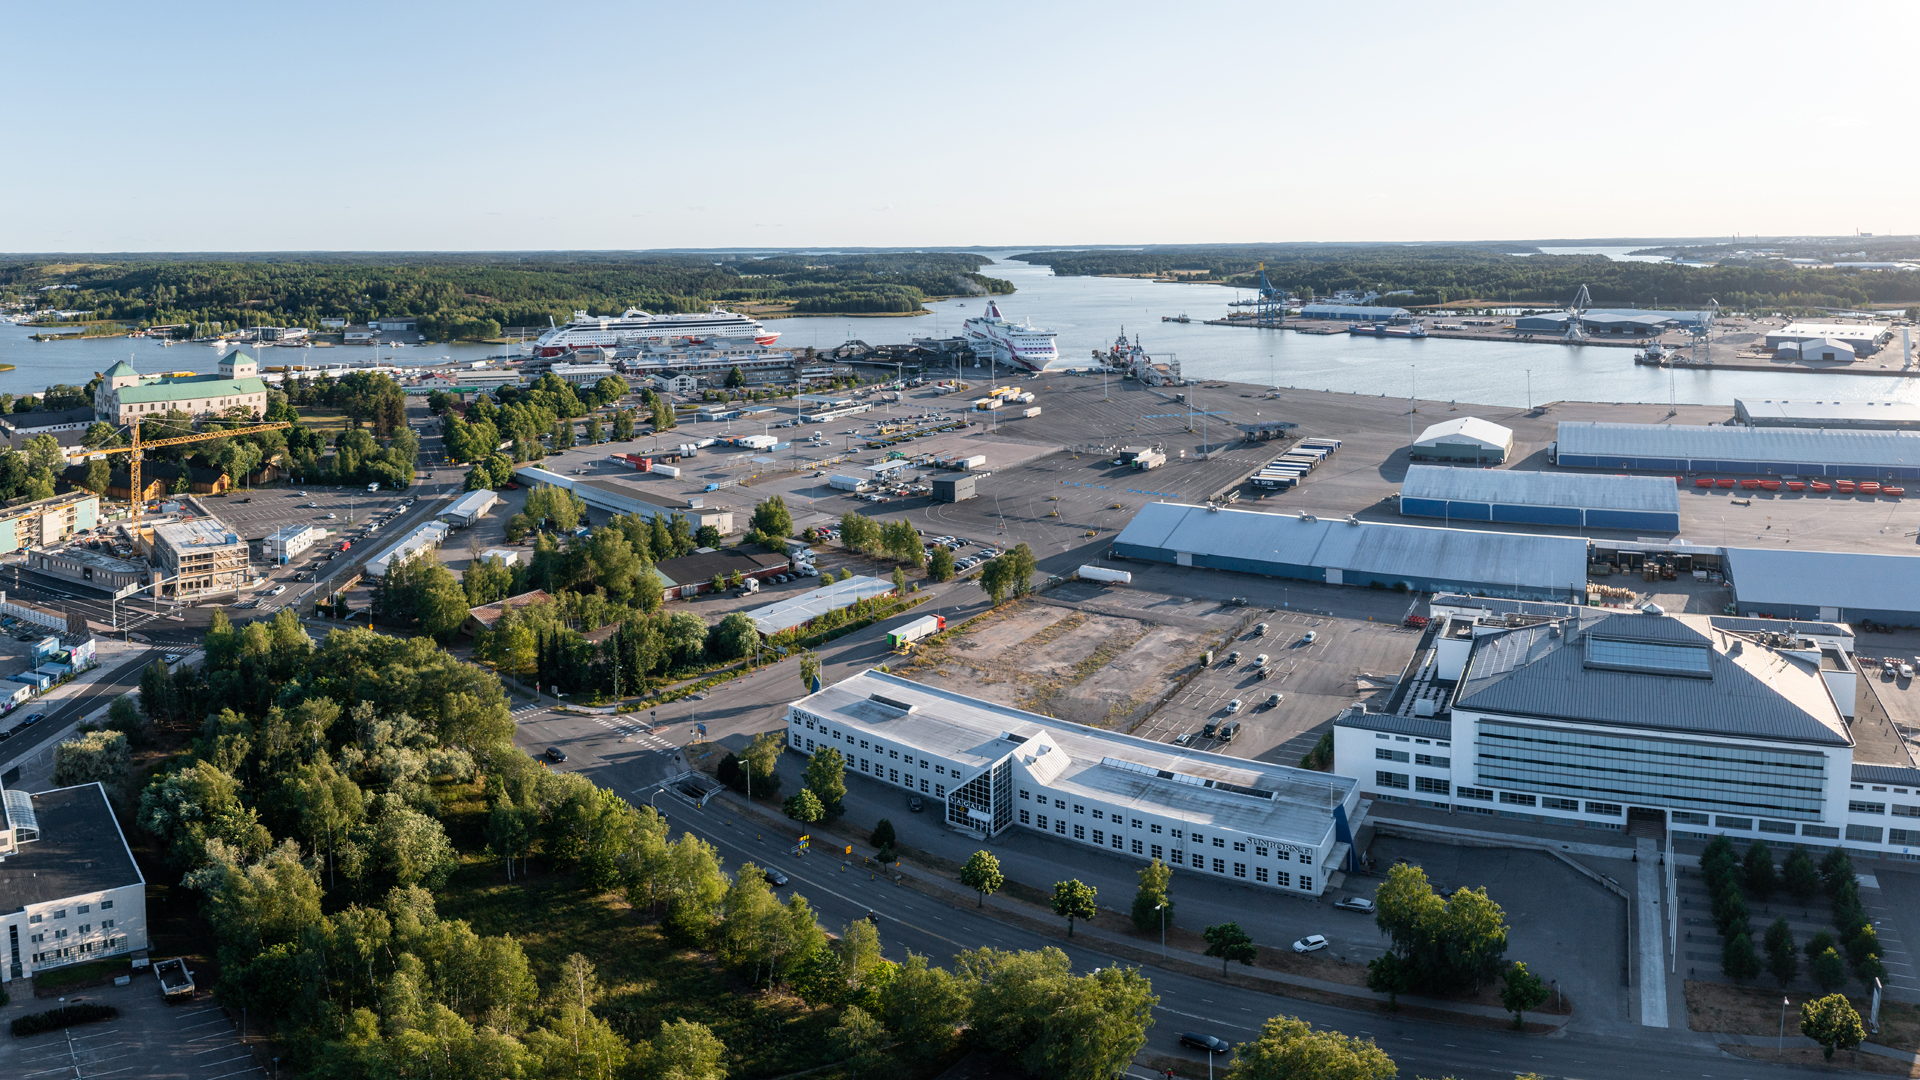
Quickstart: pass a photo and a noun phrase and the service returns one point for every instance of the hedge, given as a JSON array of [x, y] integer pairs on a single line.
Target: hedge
[[62, 1017]]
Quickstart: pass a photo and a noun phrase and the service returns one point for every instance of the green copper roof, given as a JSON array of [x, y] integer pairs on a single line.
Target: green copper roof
[[119, 369], [199, 386]]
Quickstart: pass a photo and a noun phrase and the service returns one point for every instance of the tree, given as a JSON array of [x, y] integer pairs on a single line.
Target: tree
[[1073, 899], [99, 476], [623, 426], [997, 579], [1390, 974], [772, 522], [1783, 960], [1829, 971], [735, 637], [804, 806], [809, 669], [562, 434], [736, 378], [1522, 990], [1448, 945], [1758, 873], [762, 760], [982, 875], [96, 755], [1021, 565], [940, 564], [858, 1039], [1288, 1048], [826, 777], [1737, 958], [1832, 1022], [1230, 943], [442, 605], [593, 430], [685, 1050], [925, 1006], [882, 838], [1152, 907]]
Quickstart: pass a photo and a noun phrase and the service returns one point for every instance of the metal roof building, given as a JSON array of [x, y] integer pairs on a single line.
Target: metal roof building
[[1864, 337], [1831, 586], [1594, 321], [1524, 566], [1871, 415], [1679, 448], [1576, 500], [1466, 439], [798, 610], [1355, 313], [994, 767]]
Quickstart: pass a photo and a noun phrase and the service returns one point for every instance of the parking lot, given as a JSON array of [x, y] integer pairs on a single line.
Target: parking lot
[[150, 1039]]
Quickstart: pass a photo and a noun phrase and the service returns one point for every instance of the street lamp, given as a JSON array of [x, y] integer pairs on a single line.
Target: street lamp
[[1782, 1052], [1162, 909]]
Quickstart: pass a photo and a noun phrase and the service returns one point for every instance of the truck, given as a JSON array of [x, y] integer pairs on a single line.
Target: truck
[[847, 483], [1101, 573], [972, 462], [1025, 397], [1152, 459], [1031, 413], [687, 450], [924, 627], [756, 442]]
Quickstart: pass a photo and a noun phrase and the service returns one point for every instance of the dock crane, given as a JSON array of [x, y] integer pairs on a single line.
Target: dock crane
[[136, 450], [1576, 311]]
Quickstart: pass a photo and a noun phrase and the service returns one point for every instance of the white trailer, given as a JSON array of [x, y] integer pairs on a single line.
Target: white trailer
[[667, 470], [1030, 413], [973, 462], [1101, 573]]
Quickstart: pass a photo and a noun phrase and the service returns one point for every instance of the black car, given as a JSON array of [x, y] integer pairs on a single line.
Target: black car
[[774, 877], [914, 804], [1204, 1042], [554, 753]]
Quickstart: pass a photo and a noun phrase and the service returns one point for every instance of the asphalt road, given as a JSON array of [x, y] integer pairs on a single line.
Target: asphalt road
[[63, 714]]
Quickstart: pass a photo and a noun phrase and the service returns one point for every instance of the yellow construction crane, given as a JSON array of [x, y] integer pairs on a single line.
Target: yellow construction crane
[[137, 448]]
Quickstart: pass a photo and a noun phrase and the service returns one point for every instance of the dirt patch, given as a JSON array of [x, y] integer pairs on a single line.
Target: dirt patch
[[1755, 1010], [1843, 1060]]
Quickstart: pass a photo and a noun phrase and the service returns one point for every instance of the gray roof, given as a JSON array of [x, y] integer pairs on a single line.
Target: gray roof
[[1812, 413], [1723, 443], [1352, 311], [1837, 579], [1741, 625], [80, 851], [1494, 605], [971, 730], [1399, 725], [1467, 429], [791, 611], [1466, 555], [1886, 774], [1749, 690], [1591, 491]]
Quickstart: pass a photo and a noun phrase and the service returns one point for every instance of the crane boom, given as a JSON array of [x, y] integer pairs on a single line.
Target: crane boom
[[137, 448]]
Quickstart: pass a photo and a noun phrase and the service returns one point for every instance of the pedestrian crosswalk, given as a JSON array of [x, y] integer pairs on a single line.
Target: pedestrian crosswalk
[[638, 732], [535, 707]]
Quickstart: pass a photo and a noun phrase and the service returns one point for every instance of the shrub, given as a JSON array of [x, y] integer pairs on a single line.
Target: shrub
[[85, 1012]]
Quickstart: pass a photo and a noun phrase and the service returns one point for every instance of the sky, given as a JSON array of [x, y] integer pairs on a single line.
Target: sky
[[204, 126]]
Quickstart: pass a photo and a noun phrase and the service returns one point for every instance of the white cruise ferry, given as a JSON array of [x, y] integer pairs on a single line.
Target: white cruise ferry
[[637, 327], [1011, 342]]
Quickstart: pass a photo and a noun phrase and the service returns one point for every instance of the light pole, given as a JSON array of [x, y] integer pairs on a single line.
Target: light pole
[[1529, 389], [1162, 909], [1782, 1052]]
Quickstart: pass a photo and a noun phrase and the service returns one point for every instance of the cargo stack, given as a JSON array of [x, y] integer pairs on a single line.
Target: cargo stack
[[1290, 468]]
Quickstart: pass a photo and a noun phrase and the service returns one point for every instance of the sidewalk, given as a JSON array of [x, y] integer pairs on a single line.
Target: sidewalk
[[1797, 1041], [1146, 952]]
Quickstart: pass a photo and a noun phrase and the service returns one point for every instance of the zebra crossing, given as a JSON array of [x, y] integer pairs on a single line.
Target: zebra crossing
[[535, 707], [639, 733]]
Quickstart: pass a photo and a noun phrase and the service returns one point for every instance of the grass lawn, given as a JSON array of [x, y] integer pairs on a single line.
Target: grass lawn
[[80, 974], [324, 419], [645, 978], [1755, 1010]]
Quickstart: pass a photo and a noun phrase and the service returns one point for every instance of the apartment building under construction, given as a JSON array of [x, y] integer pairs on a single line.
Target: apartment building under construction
[[199, 558]]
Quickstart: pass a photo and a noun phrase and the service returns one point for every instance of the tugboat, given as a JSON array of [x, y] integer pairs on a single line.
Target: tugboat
[[1656, 355], [1180, 318]]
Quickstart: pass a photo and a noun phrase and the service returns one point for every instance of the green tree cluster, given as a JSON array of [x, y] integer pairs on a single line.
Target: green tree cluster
[[1439, 946]]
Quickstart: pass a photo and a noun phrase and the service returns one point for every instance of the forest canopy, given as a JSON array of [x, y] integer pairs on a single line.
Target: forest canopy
[[457, 297]]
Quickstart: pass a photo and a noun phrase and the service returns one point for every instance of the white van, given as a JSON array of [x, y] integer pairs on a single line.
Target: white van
[[375, 486]]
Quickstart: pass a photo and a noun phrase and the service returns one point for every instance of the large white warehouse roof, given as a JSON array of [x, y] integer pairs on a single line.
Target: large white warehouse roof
[[1516, 487], [1468, 429], [1628, 441]]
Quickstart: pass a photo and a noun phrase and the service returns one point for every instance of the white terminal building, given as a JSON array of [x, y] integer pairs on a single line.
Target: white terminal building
[[69, 888], [996, 767], [1641, 721]]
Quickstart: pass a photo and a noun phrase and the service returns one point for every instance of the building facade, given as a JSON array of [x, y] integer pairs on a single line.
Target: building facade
[[287, 542], [47, 521], [992, 768], [199, 558], [69, 888], [125, 395]]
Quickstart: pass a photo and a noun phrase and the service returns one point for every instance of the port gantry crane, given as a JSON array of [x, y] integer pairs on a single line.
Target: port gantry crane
[[136, 450]]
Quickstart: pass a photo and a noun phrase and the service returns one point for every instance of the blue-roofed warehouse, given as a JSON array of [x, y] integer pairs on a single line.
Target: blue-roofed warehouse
[[1644, 504], [1341, 552], [1828, 586], [1779, 451]]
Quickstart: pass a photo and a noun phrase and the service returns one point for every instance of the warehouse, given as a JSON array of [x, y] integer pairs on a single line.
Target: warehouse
[[288, 541], [1468, 440], [1350, 552], [1824, 349], [422, 538], [690, 575], [470, 508], [1863, 337], [1621, 720], [1869, 415], [617, 498], [1681, 448], [799, 610], [1601, 323], [1831, 586], [1643, 504], [1355, 313], [994, 767]]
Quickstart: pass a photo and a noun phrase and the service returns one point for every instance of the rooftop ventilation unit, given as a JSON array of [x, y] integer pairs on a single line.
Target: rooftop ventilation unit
[[890, 703]]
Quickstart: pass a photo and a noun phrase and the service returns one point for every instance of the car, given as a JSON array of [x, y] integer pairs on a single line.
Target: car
[[1212, 726], [1355, 903], [1260, 630], [23, 637], [277, 590], [34, 718], [299, 494], [313, 506], [1233, 706], [554, 753], [246, 500], [1906, 671], [1274, 700], [1204, 1042], [1310, 638], [1260, 661], [173, 658], [774, 877], [1310, 943], [1233, 657], [1183, 738], [915, 804]]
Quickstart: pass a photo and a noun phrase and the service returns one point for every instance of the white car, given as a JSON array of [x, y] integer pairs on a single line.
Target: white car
[[1233, 706], [1312, 635], [277, 590], [1310, 943], [1260, 661]]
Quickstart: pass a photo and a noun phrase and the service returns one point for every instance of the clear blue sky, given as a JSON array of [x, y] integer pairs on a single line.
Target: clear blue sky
[[473, 125]]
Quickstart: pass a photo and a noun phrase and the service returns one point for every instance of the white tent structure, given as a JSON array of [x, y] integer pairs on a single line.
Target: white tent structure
[[1468, 440]]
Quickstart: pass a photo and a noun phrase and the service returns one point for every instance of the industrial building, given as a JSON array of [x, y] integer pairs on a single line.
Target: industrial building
[[691, 575], [1467, 440], [1644, 504], [1352, 552], [802, 609], [1355, 313], [1601, 322], [199, 558], [1647, 723], [1824, 349], [619, 498], [287, 542], [1869, 415], [1863, 338], [38, 523], [90, 570], [991, 767], [1831, 586], [581, 374], [469, 508], [72, 891], [422, 538], [953, 489], [125, 395], [1682, 448], [486, 615]]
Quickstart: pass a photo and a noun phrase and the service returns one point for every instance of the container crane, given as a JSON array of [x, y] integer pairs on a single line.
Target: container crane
[[1575, 312], [136, 450]]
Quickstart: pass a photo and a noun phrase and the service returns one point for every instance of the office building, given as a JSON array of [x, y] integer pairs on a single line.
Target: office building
[[69, 888]]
